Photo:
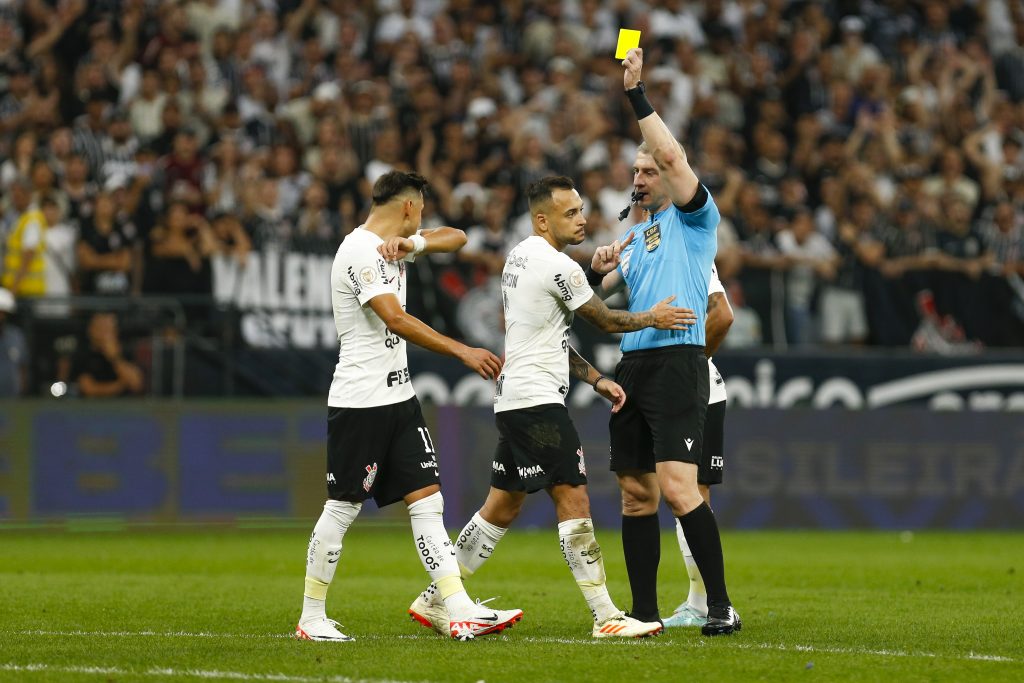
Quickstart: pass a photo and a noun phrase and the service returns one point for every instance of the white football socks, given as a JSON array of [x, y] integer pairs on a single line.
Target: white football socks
[[437, 553], [474, 546], [698, 596], [323, 554], [476, 543], [583, 555]]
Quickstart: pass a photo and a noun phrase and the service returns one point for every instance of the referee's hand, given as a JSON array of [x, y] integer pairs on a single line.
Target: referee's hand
[[668, 317], [634, 64], [481, 361], [606, 259]]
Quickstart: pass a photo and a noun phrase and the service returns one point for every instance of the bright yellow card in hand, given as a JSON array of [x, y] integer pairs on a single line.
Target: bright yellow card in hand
[[628, 39]]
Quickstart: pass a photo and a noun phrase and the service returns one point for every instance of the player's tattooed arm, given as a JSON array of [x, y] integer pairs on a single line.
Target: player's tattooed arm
[[662, 315], [582, 370], [718, 322]]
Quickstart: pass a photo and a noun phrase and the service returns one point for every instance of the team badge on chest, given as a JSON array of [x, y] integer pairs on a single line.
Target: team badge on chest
[[652, 237]]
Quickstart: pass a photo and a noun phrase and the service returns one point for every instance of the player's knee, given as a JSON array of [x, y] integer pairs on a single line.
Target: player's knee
[[501, 512], [638, 499]]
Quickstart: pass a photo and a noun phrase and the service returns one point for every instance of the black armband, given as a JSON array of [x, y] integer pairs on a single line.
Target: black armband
[[638, 100], [594, 278], [700, 198], [596, 381]]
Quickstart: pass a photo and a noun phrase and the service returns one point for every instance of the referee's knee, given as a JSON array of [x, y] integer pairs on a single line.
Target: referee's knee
[[638, 499]]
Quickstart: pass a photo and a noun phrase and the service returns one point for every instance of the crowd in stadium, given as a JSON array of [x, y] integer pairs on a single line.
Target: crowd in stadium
[[866, 156]]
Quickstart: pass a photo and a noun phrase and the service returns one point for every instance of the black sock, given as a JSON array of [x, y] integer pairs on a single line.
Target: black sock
[[701, 531], [641, 544]]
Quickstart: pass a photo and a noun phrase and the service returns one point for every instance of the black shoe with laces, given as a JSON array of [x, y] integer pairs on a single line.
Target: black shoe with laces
[[722, 621]]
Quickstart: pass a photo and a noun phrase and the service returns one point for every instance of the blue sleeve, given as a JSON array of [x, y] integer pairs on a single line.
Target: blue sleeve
[[704, 218]]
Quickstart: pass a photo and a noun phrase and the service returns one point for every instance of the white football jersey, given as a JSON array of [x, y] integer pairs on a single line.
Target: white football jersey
[[540, 289], [372, 368], [717, 383]]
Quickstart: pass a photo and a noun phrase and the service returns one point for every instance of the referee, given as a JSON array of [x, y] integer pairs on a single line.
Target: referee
[[657, 436]]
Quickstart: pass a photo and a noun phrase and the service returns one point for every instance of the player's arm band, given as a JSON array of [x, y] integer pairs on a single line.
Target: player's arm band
[[638, 100], [594, 278], [700, 198], [596, 381]]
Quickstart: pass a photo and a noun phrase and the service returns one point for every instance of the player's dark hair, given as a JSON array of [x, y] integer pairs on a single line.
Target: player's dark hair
[[394, 183], [541, 190]]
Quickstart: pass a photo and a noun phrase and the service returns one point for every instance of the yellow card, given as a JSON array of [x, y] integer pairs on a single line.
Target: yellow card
[[628, 39]]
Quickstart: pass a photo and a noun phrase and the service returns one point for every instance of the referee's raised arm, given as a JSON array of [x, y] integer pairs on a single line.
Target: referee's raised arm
[[680, 181]]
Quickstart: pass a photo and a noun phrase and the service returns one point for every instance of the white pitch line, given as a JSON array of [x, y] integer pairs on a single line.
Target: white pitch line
[[644, 642], [189, 673]]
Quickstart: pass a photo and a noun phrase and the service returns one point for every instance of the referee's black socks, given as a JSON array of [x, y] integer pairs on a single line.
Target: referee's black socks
[[701, 531], [641, 544]]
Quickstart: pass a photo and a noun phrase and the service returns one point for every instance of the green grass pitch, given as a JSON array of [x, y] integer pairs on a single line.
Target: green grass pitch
[[220, 603]]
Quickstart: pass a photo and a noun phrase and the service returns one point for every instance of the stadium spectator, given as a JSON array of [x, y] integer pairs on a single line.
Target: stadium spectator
[[13, 350], [23, 249], [106, 251], [100, 368]]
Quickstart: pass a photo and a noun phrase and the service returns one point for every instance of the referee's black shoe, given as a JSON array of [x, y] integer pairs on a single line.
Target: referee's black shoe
[[722, 621]]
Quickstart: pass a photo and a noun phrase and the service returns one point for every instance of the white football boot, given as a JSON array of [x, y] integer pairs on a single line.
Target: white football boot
[[621, 626], [482, 621], [429, 610], [323, 630]]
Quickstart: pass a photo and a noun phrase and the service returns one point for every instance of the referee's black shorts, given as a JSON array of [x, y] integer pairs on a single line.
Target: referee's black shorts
[[667, 393]]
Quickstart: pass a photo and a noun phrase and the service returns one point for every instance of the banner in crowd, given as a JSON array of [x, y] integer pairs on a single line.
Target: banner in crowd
[[895, 469], [284, 297]]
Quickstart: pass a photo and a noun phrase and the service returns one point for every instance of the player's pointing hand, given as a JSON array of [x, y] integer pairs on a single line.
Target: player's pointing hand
[[668, 317]]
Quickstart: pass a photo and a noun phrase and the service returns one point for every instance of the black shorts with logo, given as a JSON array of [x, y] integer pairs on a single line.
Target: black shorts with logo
[[712, 457], [537, 447], [667, 392], [384, 453]]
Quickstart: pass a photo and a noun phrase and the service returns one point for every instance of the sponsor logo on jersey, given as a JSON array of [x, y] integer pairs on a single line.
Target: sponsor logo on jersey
[[577, 279], [398, 377], [331, 479], [652, 237], [717, 462], [427, 464], [371, 474], [563, 287], [367, 275], [383, 268], [355, 282], [689, 444], [583, 465], [517, 261], [497, 467], [531, 471]]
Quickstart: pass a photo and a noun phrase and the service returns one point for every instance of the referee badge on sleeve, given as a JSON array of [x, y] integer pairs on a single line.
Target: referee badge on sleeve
[[652, 237]]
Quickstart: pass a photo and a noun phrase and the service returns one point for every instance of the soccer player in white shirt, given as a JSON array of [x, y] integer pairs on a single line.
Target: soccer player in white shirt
[[377, 442], [538, 447]]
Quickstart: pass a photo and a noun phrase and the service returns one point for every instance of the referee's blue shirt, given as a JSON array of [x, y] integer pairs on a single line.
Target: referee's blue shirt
[[672, 253]]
